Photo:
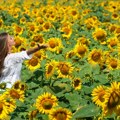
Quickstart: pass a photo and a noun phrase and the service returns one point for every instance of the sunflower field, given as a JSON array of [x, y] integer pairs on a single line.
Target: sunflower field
[[78, 76]]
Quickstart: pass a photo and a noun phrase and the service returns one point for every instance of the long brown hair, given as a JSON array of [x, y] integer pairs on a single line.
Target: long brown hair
[[3, 49]]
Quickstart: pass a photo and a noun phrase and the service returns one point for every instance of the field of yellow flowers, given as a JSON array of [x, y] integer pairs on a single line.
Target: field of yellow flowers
[[78, 76]]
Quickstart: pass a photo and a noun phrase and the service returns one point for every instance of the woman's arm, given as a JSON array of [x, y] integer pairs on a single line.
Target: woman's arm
[[35, 49]]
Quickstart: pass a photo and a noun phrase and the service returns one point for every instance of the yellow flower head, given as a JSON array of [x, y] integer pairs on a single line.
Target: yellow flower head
[[113, 63], [50, 68], [64, 69], [46, 102], [33, 63], [113, 43], [60, 114], [98, 94], [95, 56], [67, 32], [76, 82], [100, 35], [15, 94], [112, 99], [6, 106], [80, 50], [38, 38], [54, 44]]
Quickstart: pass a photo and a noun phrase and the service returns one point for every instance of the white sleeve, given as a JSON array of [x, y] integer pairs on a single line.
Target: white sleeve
[[19, 57]]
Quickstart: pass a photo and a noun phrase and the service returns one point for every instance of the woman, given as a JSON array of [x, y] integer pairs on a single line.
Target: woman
[[11, 63]]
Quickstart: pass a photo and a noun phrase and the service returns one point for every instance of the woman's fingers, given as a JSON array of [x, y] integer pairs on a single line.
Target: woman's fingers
[[44, 46]]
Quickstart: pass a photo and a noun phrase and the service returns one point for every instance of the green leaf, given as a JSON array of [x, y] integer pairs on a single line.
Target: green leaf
[[87, 111]]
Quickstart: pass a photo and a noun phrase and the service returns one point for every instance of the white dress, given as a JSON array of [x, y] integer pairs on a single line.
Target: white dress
[[12, 67]]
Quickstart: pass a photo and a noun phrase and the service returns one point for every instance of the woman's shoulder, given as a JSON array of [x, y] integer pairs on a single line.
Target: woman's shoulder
[[12, 56]]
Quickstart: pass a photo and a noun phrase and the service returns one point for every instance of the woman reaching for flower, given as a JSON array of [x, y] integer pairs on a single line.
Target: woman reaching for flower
[[11, 63]]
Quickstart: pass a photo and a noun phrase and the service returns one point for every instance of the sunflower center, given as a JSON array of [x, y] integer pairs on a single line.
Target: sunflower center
[[47, 104], [52, 44], [32, 44], [18, 29], [36, 38], [118, 30], [32, 28], [14, 94], [49, 69], [113, 43], [81, 50], [17, 43], [100, 35], [37, 54], [76, 82], [1, 107], [74, 13], [64, 69], [101, 94], [61, 116], [66, 30], [113, 100], [115, 15], [113, 63], [47, 26], [96, 56], [16, 85], [112, 28], [33, 62]]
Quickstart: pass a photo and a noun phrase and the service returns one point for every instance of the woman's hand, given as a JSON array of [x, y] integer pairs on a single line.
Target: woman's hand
[[42, 46], [35, 49]]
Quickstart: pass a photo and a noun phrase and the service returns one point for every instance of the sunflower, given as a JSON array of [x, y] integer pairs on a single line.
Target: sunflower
[[100, 35], [40, 20], [112, 99], [52, 17], [50, 68], [19, 85], [6, 106], [76, 83], [69, 54], [92, 22], [80, 50], [40, 55], [32, 44], [33, 114], [23, 20], [65, 69], [98, 95], [115, 16], [3, 108], [32, 27], [1, 23], [15, 94], [33, 63], [17, 29], [113, 63], [60, 114], [67, 31], [19, 41], [83, 40], [23, 47], [117, 31], [38, 38], [95, 57], [46, 26], [74, 13], [112, 43], [112, 27], [46, 102], [55, 44]]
